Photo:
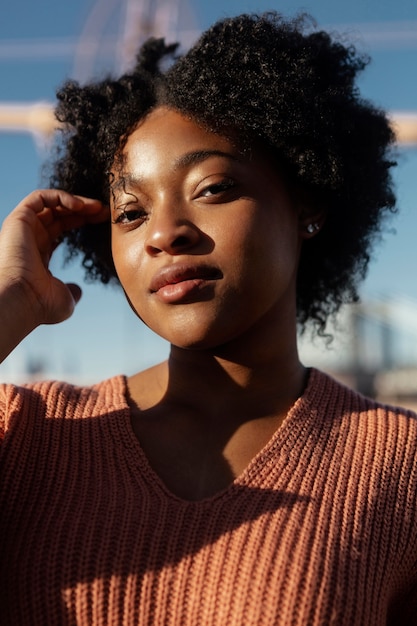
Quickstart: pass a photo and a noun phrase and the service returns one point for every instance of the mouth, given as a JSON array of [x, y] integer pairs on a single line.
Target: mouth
[[178, 283]]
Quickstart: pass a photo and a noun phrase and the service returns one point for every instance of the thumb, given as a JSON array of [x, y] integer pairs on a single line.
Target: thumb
[[76, 292], [62, 303]]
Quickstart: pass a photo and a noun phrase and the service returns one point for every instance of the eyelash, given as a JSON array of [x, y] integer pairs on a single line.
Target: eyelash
[[218, 188], [129, 215]]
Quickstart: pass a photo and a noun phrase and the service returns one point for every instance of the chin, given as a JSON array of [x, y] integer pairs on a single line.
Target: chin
[[189, 329], [210, 339], [192, 339], [190, 343]]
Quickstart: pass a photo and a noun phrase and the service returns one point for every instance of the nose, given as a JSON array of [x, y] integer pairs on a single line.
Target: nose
[[169, 231]]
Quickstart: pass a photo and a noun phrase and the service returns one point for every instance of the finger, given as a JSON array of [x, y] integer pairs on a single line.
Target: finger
[[50, 213], [100, 216], [42, 199], [60, 211], [59, 223], [48, 203], [92, 211]]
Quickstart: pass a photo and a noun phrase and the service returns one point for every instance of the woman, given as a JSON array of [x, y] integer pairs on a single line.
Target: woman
[[238, 194]]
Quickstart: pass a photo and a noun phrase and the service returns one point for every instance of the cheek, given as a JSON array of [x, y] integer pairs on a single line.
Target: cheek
[[270, 241], [127, 257], [273, 259], [127, 261]]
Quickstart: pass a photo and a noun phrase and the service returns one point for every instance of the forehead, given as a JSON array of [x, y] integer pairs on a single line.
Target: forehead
[[165, 134], [167, 142]]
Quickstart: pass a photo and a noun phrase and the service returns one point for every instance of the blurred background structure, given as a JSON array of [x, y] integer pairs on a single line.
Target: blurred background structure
[[44, 43]]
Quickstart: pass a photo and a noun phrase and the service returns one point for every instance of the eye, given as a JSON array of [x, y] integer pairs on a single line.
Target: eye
[[129, 215], [218, 189]]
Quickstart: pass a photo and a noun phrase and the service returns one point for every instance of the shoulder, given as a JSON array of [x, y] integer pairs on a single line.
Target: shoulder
[[57, 399], [368, 432], [368, 446], [372, 438], [342, 402], [369, 472]]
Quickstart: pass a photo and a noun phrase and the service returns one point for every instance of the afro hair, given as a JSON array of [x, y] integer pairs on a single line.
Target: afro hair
[[261, 78]]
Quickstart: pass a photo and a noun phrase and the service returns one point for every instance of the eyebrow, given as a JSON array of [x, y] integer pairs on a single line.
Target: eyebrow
[[190, 158]]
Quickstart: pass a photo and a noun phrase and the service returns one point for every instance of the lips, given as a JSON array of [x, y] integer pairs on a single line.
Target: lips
[[176, 282]]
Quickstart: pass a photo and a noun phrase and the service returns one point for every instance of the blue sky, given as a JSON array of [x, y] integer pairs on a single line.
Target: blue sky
[[38, 50]]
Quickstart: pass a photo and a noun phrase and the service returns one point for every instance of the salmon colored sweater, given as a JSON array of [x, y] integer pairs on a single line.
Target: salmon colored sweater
[[320, 529]]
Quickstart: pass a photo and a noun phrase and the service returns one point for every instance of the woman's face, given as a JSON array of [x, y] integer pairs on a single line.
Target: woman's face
[[205, 239]]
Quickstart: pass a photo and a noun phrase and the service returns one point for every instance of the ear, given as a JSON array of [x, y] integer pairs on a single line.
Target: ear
[[310, 221]]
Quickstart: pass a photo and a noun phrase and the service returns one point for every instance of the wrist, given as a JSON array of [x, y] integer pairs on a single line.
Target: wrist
[[19, 315]]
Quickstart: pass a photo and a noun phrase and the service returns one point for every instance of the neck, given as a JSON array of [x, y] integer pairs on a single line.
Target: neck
[[259, 374], [210, 412]]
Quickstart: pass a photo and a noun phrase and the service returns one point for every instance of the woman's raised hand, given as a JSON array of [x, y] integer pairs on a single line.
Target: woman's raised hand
[[29, 294]]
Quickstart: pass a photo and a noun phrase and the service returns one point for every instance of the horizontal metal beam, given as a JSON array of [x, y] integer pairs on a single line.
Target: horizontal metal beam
[[38, 118]]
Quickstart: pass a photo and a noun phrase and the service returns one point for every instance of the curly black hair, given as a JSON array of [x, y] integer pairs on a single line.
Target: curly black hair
[[260, 78]]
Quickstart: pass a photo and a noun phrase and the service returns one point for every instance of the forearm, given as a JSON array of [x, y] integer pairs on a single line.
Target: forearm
[[29, 294], [17, 317]]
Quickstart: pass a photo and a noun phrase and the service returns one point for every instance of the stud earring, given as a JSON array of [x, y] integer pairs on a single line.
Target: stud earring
[[312, 228]]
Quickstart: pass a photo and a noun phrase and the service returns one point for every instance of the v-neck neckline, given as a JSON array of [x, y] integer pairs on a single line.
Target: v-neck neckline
[[275, 454]]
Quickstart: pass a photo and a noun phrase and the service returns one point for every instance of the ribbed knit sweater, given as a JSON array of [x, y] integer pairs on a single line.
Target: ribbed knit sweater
[[320, 529]]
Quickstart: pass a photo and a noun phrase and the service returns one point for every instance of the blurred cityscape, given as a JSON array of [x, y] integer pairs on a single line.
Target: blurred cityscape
[[374, 349], [371, 346]]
